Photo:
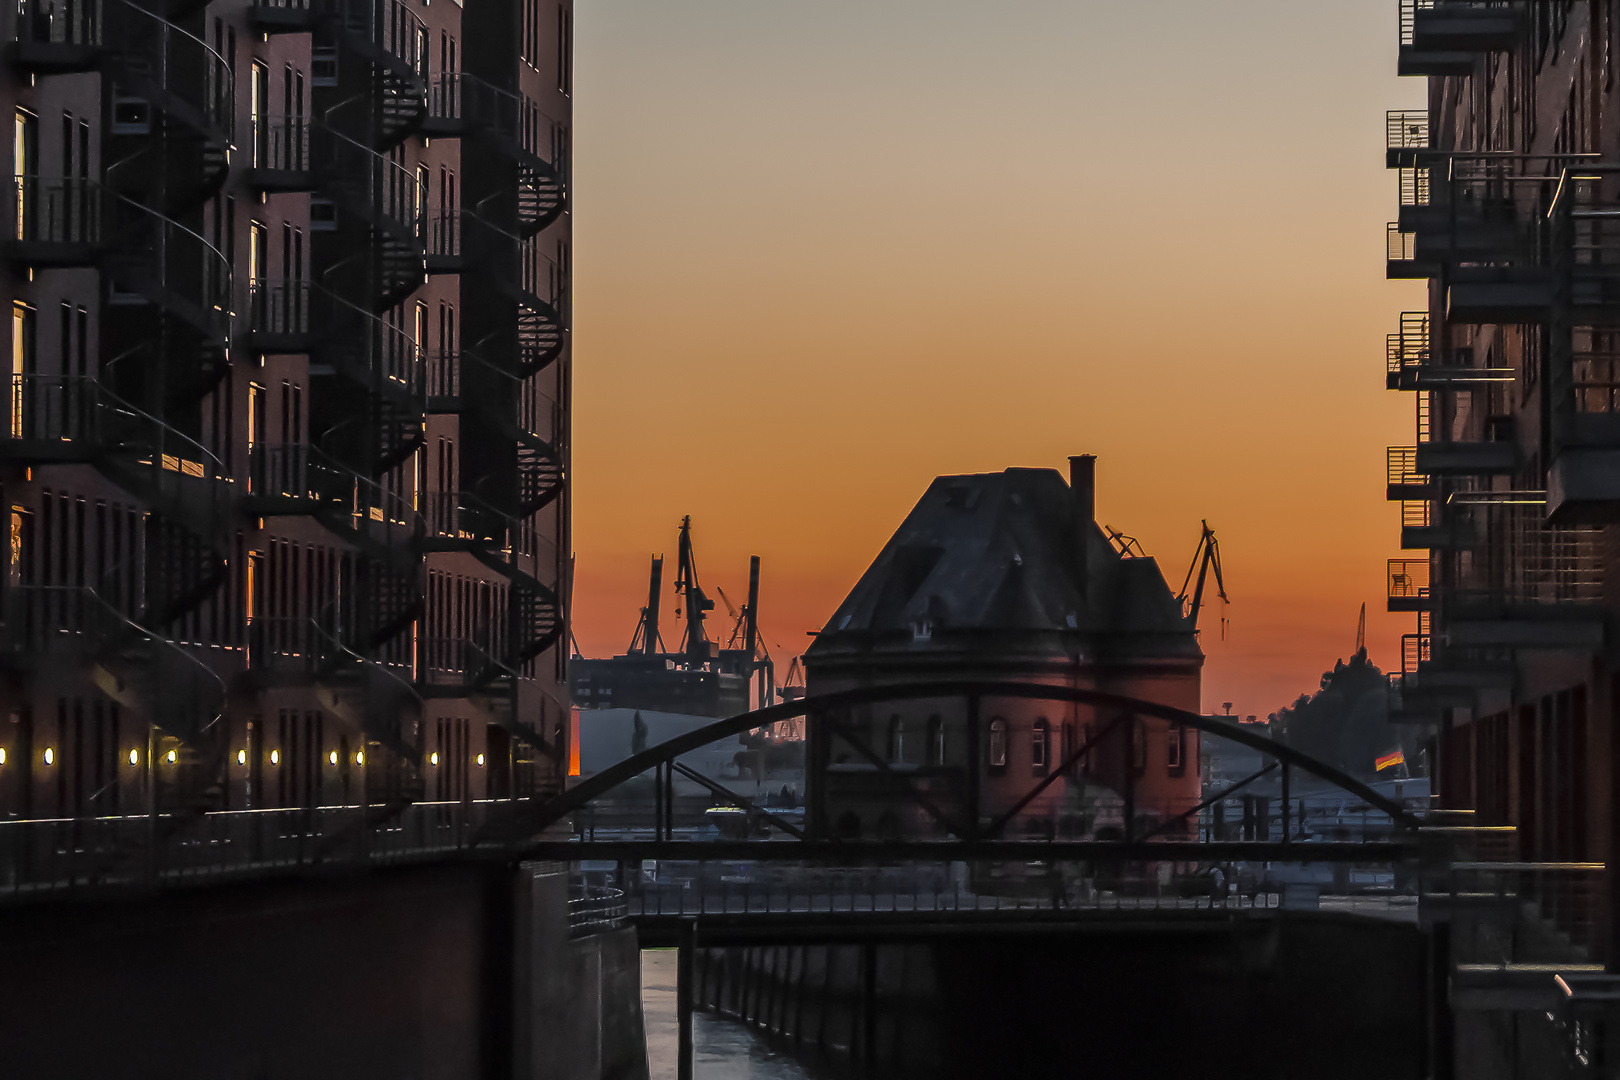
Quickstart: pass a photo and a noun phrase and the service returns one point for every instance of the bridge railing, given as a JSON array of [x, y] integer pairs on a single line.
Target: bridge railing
[[594, 908], [40, 857]]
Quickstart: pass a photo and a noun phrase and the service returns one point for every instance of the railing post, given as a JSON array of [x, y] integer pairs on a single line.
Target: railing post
[[684, 997], [1285, 803], [974, 769], [1128, 730]]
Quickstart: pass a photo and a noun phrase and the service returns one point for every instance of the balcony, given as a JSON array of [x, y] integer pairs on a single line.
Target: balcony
[[1406, 137], [1524, 583], [1402, 256], [1583, 481], [278, 152], [1408, 581], [58, 222], [285, 16], [1403, 478], [56, 37], [55, 419], [1445, 37], [1412, 365]]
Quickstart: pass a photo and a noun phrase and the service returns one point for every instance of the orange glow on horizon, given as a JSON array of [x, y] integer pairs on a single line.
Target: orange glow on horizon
[[992, 243]]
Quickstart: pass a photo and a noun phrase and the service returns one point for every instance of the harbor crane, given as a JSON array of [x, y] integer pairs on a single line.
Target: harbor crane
[[1207, 555]]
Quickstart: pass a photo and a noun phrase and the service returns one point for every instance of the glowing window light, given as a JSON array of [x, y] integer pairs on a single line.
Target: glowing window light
[[275, 757], [480, 760], [172, 757], [359, 757], [50, 756], [241, 757], [433, 758], [332, 757], [134, 757]]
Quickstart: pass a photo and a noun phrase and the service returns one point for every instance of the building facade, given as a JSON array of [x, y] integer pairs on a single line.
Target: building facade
[[286, 454], [1005, 577], [1510, 492]]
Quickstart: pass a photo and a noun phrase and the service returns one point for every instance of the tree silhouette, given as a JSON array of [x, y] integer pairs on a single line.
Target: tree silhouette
[[1346, 722]]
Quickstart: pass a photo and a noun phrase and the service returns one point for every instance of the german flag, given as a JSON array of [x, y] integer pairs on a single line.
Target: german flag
[[1393, 758]]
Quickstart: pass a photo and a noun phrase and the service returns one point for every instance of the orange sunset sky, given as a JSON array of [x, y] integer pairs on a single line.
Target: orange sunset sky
[[826, 251]]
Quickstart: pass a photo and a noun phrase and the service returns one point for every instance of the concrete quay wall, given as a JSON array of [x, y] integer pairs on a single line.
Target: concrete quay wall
[[460, 972]]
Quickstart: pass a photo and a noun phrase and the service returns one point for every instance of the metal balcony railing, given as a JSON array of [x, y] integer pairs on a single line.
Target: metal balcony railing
[[1596, 370], [1401, 469], [1408, 579], [57, 22], [55, 210], [1415, 650], [280, 143], [1406, 129], [1417, 514], [1399, 246], [1414, 186], [49, 409], [1517, 558], [1408, 19], [279, 306]]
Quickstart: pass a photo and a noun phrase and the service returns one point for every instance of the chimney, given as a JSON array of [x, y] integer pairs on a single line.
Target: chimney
[[1083, 488], [1082, 510]]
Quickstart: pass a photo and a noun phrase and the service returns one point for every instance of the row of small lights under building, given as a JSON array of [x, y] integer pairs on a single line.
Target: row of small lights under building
[[49, 757]]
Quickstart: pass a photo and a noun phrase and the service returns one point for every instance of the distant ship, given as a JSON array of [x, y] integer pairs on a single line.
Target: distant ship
[[700, 678]]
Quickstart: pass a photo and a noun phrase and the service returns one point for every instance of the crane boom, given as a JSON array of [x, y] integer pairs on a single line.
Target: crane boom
[[1206, 556]]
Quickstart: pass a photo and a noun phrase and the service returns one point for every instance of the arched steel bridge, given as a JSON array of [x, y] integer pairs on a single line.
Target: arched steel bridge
[[971, 836]]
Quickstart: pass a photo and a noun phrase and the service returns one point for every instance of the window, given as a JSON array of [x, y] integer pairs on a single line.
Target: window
[[1174, 748], [998, 743], [24, 153], [1138, 748], [22, 361], [258, 250], [1085, 740], [897, 740], [259, 105], [1039, 746], [936, 740]]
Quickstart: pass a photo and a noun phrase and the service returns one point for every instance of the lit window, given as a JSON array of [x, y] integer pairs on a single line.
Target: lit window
[[2, 755], [998, 743]]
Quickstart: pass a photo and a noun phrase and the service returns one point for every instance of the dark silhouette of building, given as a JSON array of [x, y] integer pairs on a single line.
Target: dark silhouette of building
[[1004, 576], [287, 445], [1509, 496]]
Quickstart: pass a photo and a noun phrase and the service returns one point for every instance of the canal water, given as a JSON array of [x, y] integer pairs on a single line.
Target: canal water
[[725, 1049]]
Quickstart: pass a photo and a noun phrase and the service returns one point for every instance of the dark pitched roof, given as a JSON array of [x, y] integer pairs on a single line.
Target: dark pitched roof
[[1002, 552]]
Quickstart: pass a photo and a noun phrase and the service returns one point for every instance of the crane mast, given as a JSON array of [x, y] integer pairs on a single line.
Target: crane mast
[[1207, 555], [698, 648]]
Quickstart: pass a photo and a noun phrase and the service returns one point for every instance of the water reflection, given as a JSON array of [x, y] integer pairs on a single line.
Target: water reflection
[[726, 1050]]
